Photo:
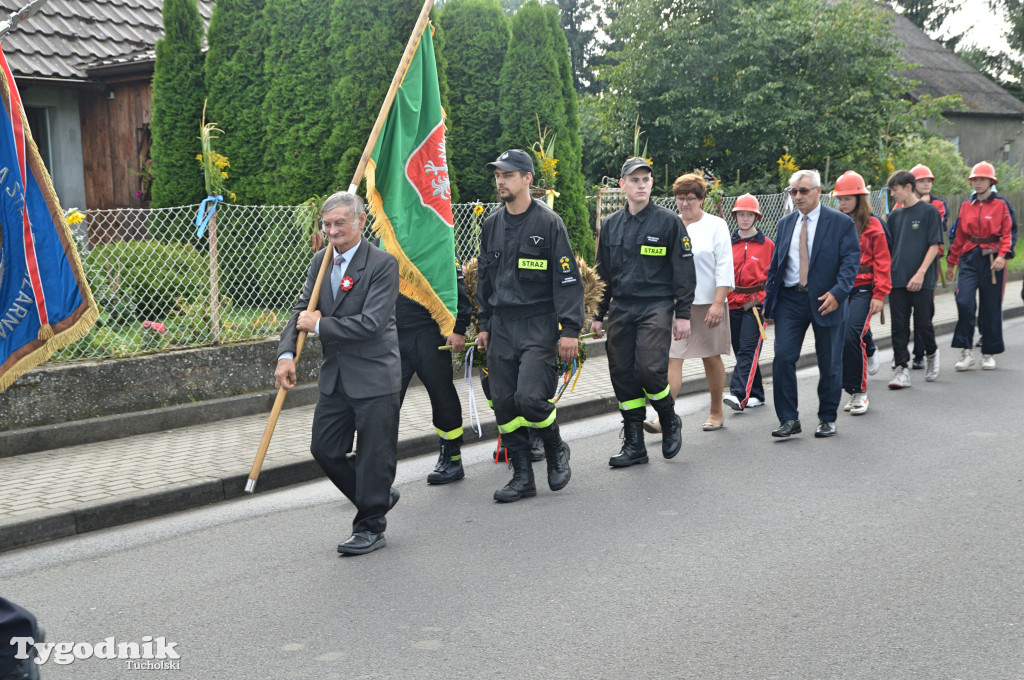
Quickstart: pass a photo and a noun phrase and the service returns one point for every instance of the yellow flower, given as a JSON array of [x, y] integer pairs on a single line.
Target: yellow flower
[[478, 210], [75, 216]]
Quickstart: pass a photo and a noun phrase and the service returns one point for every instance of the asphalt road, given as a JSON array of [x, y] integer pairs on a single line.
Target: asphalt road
[[894, 550]]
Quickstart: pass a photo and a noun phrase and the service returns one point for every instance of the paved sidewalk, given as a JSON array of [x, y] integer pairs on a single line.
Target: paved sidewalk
[[62, 492]]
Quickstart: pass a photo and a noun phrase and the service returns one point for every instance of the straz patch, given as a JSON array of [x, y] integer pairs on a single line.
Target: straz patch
[[657, 251], [569, 280], [525, 263], [566, 264]]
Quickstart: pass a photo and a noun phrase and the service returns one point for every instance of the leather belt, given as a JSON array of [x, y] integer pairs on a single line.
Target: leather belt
[[798, 288], [984, 239], [747, 290], [865, 269]]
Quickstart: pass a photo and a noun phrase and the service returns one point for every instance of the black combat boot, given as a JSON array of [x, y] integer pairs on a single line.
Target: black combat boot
[[634, 451], [557, 453], [449, 465], [521, 485], [671, 427], [536, 447]]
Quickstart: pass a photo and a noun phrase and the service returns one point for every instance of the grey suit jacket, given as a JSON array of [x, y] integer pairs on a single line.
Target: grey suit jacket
[[357, 329]]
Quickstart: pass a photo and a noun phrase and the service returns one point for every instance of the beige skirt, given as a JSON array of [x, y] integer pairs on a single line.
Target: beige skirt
[[703, 341]]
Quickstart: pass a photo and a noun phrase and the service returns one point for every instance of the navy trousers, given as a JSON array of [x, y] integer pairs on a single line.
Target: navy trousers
[[858, 321], [746, 345], [976, 294], [793, 315]]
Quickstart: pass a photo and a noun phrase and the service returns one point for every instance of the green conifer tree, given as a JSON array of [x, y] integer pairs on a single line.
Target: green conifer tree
[[235, 90], [359, 29], [177, 111], [536, 82], [300, 69], [477, 37]]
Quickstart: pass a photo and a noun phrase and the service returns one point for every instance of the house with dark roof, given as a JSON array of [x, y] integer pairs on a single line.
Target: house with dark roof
[[84, 70], [991, 126]]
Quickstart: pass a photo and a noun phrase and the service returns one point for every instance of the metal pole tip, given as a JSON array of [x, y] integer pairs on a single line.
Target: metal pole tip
[[250, 485]]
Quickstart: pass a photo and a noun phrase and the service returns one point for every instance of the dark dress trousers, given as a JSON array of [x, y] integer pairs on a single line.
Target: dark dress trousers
[[360, 380], [834, 260]]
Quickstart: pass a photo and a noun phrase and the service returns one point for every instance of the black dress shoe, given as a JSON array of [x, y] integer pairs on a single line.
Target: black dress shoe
[[787, 428], [362, 542], [825, 430]]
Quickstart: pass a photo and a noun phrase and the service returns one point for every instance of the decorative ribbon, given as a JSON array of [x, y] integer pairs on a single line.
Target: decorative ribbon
[[203, 215], [467, 384], [567, 377]]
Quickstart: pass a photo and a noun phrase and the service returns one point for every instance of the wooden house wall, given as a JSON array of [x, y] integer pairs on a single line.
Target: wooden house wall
[[115, 143]]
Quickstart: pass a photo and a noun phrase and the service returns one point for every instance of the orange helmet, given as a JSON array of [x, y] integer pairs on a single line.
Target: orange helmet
[[850, 184], [922, 172], [747, 203], [984, 170]]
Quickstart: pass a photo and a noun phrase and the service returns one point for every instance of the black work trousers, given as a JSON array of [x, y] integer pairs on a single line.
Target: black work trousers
[[639, 337], [421, 356], [522, 374], [746, 345]]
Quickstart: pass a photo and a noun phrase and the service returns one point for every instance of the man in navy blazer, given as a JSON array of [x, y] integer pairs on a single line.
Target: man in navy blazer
[[813, 294], [361, 372]]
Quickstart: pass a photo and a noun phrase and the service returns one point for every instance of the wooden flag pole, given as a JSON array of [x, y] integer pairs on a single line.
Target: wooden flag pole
[[760, 326], [396, 82]]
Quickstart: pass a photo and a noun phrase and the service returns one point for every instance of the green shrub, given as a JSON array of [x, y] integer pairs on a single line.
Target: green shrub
[[145, 279], [942, 158]]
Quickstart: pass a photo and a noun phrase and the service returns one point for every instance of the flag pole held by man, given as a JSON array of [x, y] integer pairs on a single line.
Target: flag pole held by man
[[45, 301]]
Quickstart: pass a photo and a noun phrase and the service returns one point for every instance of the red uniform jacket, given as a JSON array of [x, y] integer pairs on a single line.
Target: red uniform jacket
[[751, 259], [874, 254], [988, 220]]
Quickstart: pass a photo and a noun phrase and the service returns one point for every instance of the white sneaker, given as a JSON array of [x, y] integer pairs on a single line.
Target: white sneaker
[[849, 404], [966, 360], [732, 402], [754, 402], [931, 366], [988, 362], [872, 365], [860, 403], [900, 379]]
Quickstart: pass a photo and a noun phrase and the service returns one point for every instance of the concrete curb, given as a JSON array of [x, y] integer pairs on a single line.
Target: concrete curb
[[43, 526]]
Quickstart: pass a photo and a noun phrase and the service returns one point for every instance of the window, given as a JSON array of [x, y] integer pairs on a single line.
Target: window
[[39, 123]]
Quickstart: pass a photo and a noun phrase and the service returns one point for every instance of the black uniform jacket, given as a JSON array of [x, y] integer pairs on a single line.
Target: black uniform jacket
[[646, 256], [527, 267]]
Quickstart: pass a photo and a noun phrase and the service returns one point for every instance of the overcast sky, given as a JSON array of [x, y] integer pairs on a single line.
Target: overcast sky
[[986, 28]]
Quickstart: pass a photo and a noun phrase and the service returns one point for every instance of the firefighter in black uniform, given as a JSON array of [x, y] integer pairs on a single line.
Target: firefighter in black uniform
[[530, 297], [418, 340], [643, 255]]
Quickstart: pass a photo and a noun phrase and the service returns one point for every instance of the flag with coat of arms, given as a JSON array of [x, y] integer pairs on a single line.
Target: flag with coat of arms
[[45, 301], [409, 193]]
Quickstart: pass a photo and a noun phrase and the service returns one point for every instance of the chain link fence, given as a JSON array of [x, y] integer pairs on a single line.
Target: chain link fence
[[160, 287]]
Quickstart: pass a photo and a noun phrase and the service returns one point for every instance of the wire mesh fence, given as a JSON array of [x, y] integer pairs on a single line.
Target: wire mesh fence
[[160, 287]]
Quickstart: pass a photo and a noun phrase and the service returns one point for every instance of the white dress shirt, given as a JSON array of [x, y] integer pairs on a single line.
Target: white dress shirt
[[712, 257], [791, 276]]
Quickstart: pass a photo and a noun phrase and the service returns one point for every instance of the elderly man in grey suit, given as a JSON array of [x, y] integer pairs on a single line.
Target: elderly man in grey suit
[[360, 376]]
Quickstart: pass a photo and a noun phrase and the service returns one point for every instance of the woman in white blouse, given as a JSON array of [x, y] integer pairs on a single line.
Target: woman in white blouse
[[710, 337]]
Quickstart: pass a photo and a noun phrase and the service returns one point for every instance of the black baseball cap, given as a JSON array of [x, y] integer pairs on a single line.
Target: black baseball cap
[[513, 159], [635, 163]]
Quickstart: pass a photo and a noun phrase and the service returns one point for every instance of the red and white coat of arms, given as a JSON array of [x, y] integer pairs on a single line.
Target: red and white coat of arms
[[427, 171]]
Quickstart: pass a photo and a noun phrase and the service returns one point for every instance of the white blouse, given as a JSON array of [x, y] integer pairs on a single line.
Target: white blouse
[[712, 256]]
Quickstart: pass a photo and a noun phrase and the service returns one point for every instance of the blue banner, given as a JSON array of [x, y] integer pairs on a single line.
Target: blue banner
[[45, 302]]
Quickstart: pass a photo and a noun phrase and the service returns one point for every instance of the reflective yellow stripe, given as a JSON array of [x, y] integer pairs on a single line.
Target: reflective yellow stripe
[[454, 434], [455, 458], [544, 423], [525, 263], [512, 425], [632, 404], [659, 395], [491, 404], [653, 250]]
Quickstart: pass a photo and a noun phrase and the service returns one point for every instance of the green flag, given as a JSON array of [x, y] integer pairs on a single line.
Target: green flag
[[409, 194]]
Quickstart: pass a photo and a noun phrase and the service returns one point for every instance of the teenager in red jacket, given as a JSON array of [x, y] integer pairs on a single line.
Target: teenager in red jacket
[[980, 248], [751, 257], [869, 288]]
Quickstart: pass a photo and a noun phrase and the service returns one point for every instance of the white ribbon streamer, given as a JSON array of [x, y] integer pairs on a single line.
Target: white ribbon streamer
[[467, 384]]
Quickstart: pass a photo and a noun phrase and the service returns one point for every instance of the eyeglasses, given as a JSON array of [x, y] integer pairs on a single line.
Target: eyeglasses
[[803, 191], [688, 199]]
